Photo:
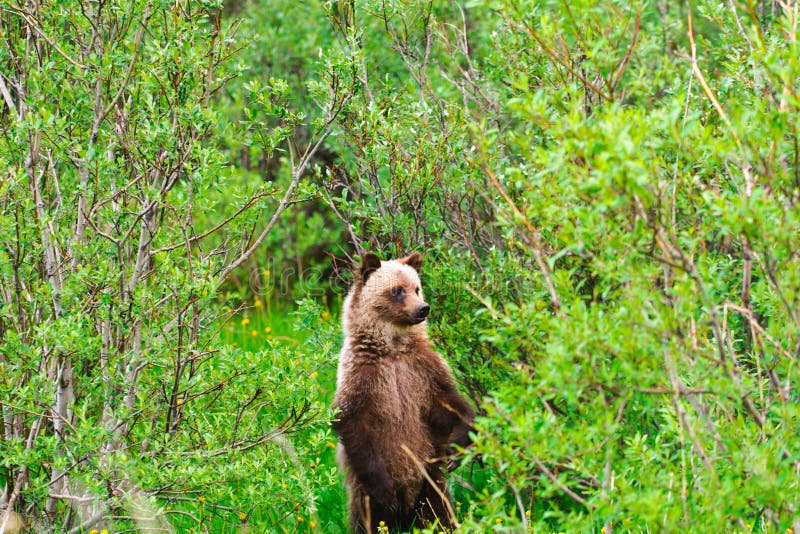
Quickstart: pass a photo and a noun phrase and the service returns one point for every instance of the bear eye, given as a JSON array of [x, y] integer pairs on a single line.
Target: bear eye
[[416, 291], [397, 291]]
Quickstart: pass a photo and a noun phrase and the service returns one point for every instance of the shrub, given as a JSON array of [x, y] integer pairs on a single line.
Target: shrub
[[121, 405], [608, 193]]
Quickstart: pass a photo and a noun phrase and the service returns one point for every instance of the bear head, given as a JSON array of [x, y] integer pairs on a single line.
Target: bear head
[[390, 291]]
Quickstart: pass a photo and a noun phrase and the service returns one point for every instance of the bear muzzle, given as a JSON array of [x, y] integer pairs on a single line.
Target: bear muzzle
[[420, 314]]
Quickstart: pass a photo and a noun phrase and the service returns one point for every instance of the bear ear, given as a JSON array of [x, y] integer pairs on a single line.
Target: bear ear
[[414, 260], [369, 264]]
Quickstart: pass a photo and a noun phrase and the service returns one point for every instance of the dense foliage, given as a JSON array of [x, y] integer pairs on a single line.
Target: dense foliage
[[606, 194]]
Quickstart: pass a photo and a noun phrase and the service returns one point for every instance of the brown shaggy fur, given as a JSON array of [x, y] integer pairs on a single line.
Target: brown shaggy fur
[[395, 395]]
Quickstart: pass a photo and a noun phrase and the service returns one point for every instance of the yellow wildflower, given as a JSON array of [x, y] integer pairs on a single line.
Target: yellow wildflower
[[527, 513], [326, 315], [313, 374], [300, 519], [266, 272], [268, 329], [258, 303], [93, 531], [331, 444], [498, 520], [242, 516], [254, 333], [201, 498], [312, 524], [245, 321], [168, 508], [104, 531], [270, 336]]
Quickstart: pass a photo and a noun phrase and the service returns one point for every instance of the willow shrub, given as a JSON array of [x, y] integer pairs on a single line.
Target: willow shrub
[[121, 218], [607, 195]]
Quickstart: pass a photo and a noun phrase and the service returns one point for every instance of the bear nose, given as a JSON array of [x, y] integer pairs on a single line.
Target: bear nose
[[423, 310]]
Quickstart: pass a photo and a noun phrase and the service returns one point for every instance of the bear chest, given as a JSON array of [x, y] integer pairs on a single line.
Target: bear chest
[[406, 387]]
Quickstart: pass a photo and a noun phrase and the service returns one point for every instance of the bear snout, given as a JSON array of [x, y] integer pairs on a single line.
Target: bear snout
[[422, 311]]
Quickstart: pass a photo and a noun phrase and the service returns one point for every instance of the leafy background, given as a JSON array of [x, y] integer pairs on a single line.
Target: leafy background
[[606, 195]]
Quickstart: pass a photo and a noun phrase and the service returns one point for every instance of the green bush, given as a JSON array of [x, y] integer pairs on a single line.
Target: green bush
[[605, 194], [122, 222], [609, 204]]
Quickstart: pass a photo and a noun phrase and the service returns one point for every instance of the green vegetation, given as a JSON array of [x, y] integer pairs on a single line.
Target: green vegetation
[[606, 194]]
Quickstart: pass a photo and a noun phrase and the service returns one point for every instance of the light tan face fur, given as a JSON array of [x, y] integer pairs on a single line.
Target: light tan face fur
[[389, 294], [394, 292]]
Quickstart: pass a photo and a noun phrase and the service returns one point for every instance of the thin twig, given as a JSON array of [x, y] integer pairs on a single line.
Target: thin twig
[[32, 24], [424, 472], [555, 301], [706, 88], [287, 197]]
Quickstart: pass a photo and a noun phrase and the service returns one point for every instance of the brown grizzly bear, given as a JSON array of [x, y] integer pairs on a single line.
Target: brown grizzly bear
[[399, 410]]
